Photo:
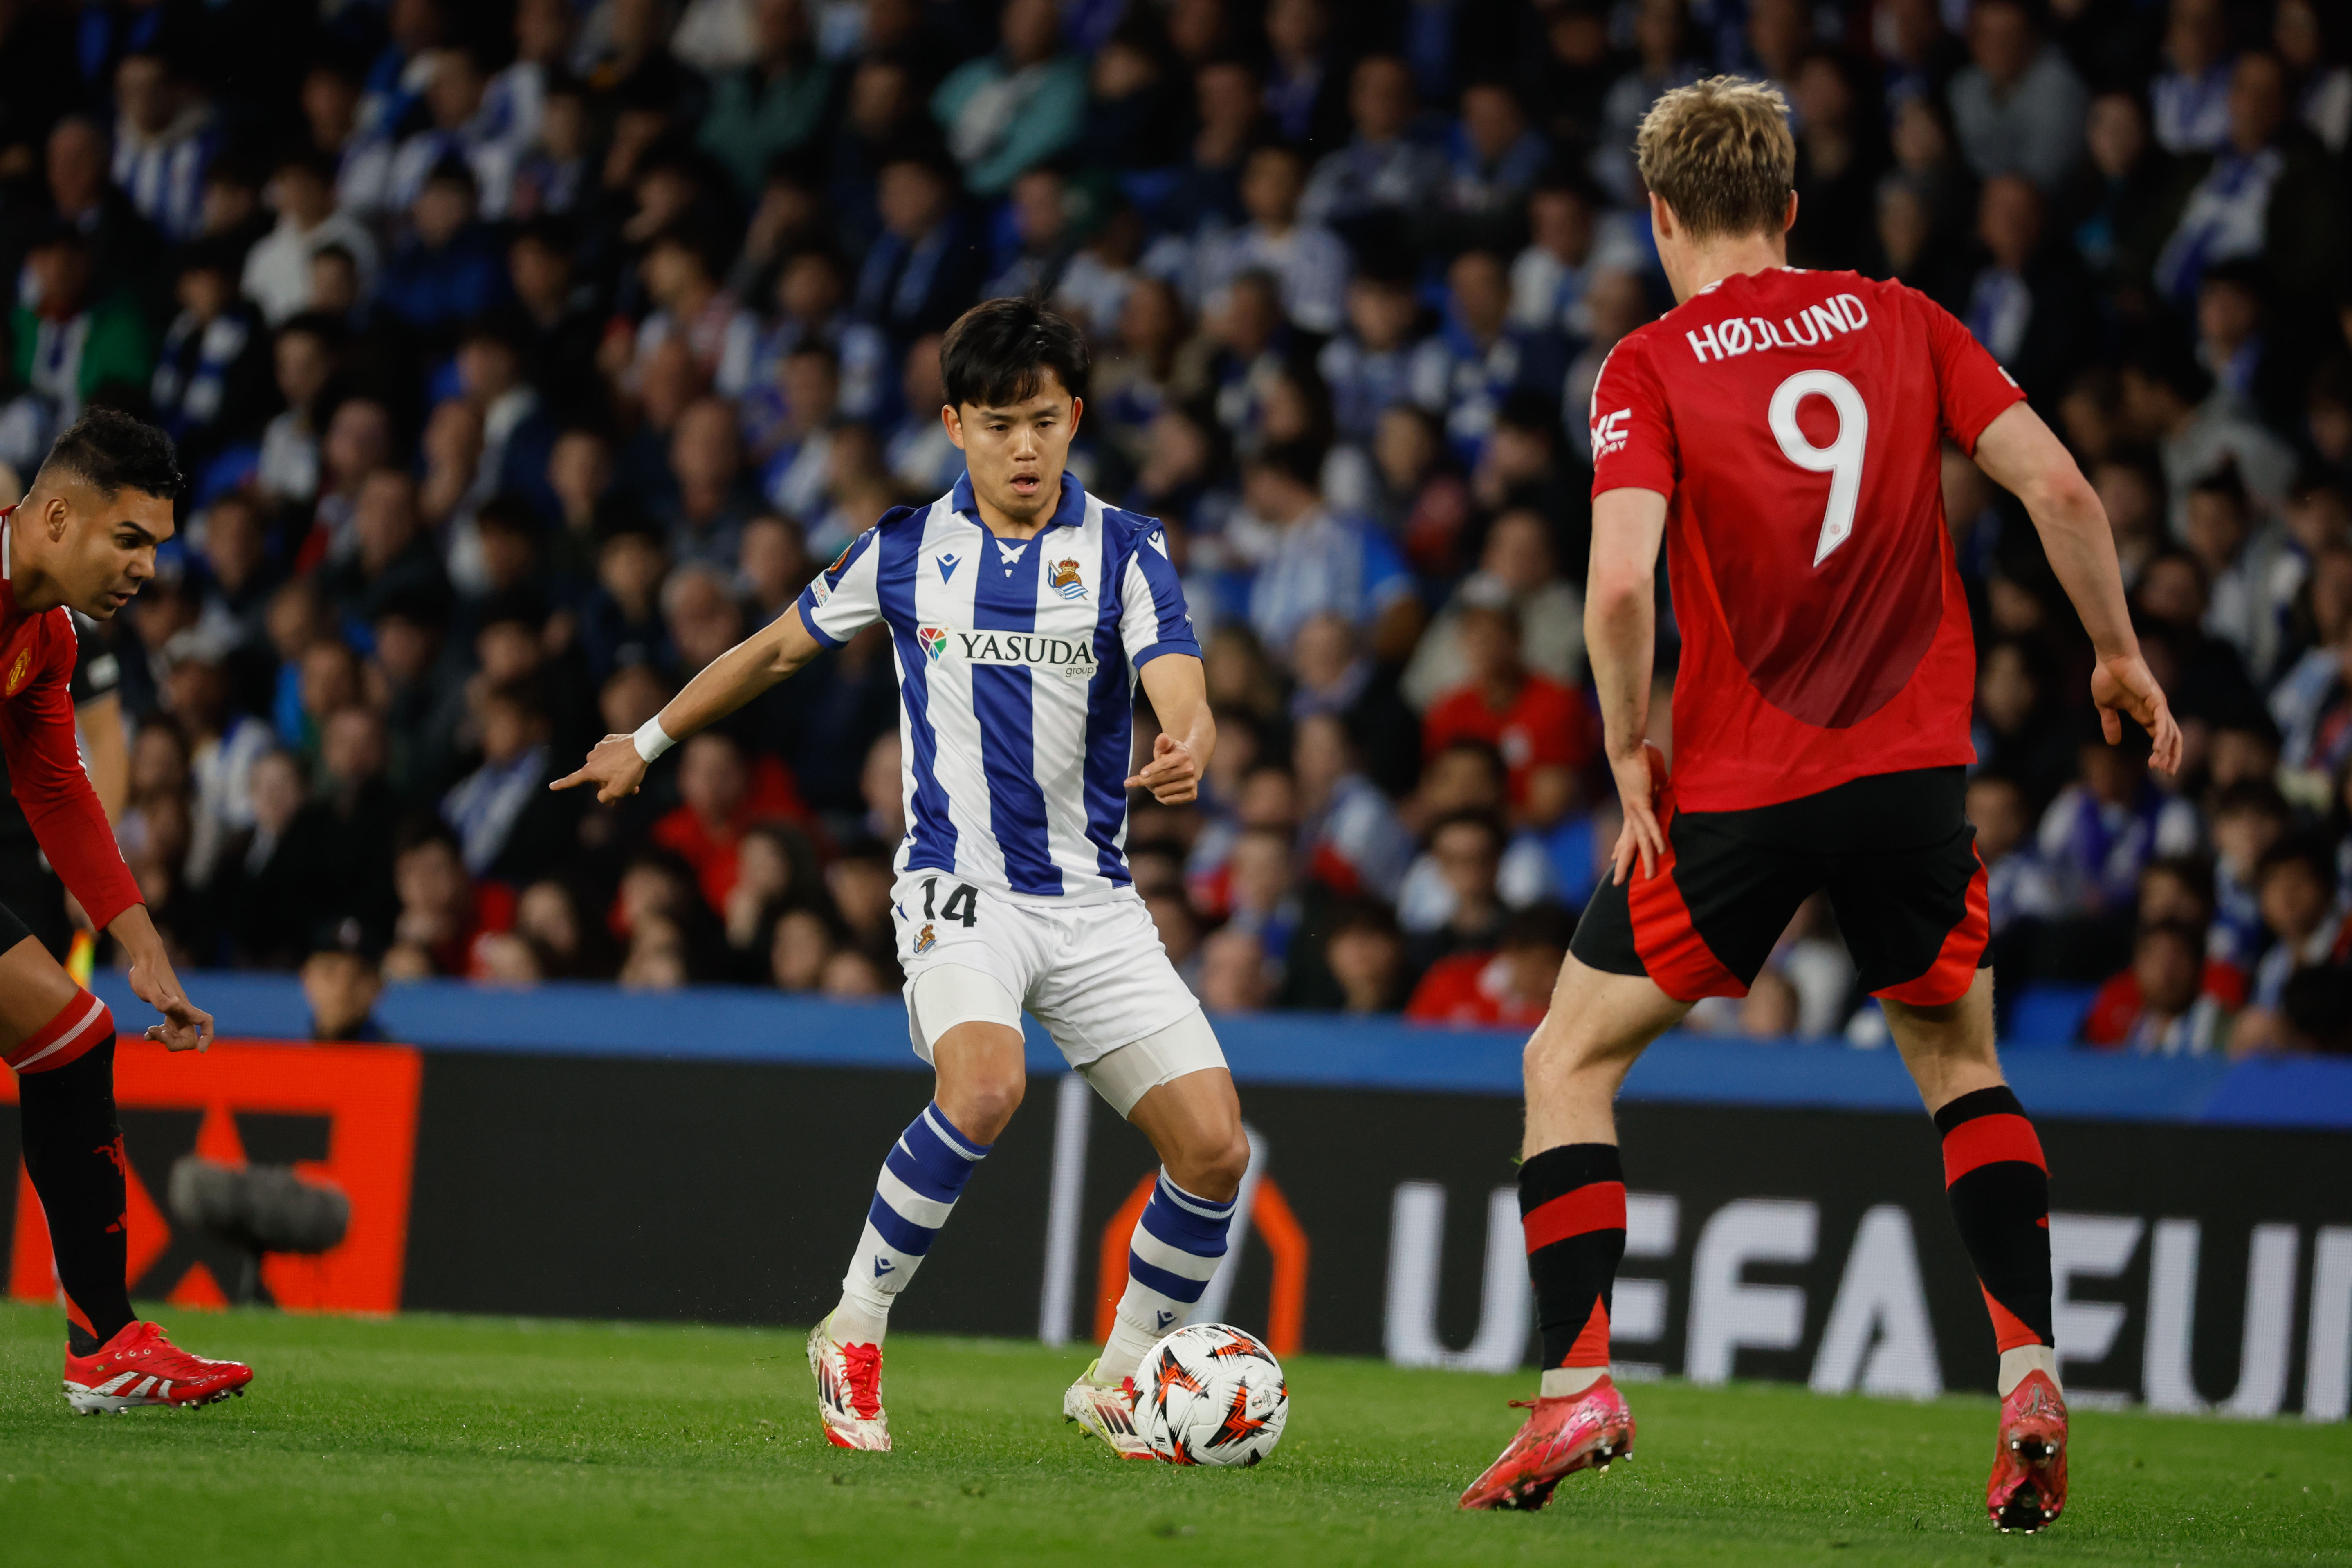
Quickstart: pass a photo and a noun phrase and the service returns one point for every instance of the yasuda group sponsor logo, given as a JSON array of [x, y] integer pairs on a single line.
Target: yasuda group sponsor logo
[[1074, 656]]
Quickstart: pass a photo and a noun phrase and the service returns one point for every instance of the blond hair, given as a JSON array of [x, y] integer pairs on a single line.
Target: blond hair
[[1719, 152]]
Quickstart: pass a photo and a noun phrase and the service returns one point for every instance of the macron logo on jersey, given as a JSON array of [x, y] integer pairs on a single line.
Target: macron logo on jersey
[[1610, 432], [1814, 325]]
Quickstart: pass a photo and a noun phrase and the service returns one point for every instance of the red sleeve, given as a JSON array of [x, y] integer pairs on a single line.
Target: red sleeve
[[1971, 389], [36, 734], [1632, 438]]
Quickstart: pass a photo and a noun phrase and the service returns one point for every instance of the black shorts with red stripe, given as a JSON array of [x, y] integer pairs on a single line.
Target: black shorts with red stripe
[[1894, 851]]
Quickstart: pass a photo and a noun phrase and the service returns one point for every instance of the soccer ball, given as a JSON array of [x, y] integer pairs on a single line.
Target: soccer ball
[[1210, 1395]]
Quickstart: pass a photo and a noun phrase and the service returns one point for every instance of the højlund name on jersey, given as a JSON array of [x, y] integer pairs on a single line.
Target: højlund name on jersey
[[1074, 656], [1814, 325]]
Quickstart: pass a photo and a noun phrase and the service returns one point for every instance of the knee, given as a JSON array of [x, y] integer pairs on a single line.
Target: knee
[[981, 1102], [1215, 1167], [1554, 1053]]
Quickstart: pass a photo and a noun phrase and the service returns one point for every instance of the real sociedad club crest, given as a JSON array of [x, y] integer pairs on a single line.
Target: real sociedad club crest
[[934, 640], [1065, 580], [923, 943]]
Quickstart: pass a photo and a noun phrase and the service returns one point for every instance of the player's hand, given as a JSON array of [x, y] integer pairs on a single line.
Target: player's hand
[[1172, 775], [613, 767], [1640, 777], [2125, 684], [185, 1025]]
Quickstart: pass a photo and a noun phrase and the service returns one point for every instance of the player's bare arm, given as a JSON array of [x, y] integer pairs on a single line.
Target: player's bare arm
[[1621, 615], [185, 1025], [84, 539], [2024, 457], [1177, 685], [617, 764]]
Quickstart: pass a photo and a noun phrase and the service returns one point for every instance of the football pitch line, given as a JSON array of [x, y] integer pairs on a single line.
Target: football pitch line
[[427, 1440]]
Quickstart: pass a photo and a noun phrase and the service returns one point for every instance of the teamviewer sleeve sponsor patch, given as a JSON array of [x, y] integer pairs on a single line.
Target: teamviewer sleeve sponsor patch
[[1632, 437]]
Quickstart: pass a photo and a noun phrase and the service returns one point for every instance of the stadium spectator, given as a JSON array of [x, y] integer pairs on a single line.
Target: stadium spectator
[[2160, 1006], [1510, 986], [1006, 113], [1307, 261], [342, 980], [2017, 108], [2295, 885], [1543, 731]]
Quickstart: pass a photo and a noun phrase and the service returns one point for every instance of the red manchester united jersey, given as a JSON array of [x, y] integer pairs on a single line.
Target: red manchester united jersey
[[1793, 420], [36, 735]]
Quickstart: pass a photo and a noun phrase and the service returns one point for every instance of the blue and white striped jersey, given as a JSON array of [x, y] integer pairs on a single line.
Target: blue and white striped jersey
[[1017, 663]]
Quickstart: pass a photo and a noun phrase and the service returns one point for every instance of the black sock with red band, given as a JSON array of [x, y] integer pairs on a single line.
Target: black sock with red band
[[1572, 1206], [2000, 1188], [73, 1152]]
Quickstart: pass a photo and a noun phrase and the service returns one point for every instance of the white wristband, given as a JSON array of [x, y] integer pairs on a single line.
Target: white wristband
[[652, 739]]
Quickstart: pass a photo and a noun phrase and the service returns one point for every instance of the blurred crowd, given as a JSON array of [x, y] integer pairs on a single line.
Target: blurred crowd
[[525, 355]]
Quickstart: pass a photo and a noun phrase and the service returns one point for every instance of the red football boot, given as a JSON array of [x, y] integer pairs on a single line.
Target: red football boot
[[140, 1366], [1576, 1432], [2028, 1488]]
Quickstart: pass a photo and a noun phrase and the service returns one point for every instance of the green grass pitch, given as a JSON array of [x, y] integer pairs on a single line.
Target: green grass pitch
[[425, 1441]]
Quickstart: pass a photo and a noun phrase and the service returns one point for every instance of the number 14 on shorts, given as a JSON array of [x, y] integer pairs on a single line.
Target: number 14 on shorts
[[962, 904]]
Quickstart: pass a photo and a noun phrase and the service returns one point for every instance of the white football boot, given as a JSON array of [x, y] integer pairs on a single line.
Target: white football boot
[[848, 1391], [1107, 1410]]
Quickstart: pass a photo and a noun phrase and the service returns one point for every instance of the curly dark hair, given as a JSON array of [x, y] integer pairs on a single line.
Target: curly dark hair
[[111, 451]]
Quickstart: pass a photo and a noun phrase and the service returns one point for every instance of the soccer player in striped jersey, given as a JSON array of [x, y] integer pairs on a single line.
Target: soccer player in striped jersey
[[1022, 614]]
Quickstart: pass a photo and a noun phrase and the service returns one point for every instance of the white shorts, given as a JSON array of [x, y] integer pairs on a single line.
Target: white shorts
[[1094, 974]]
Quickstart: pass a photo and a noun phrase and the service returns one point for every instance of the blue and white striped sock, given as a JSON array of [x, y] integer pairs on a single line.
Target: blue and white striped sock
[[912, 1198], [1178, 1245]]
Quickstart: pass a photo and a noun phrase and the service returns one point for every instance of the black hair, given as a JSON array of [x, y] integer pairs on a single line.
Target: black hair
[[328, 330], [2162, 361], [1486, 752], [552, 231], [696, 242], [998, 352], [318, 165], [2222, 481], [2248, 719], [2252, 795], [454, 171], [112, 452], [217, 252], [508, 511], [2181, 932], [2308, 849], [1301, 459], [2193, 871], [1486, 822]]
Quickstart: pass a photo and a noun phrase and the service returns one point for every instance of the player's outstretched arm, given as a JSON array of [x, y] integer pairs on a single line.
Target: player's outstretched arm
[[2021, 455], [1620, 627], [617, 764], [1177, 685], [185, 1025]]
